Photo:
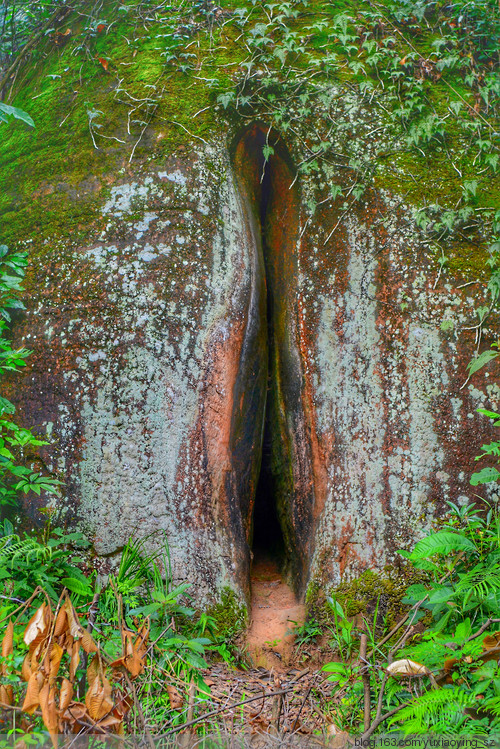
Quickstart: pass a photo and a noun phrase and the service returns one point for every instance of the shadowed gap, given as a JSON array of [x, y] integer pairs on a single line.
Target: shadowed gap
[[271, 432], [268, 540]]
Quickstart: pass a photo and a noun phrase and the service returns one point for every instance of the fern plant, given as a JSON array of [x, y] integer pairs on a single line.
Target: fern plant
[[50, 563], [443, 711], [489, 473], [460, 645]]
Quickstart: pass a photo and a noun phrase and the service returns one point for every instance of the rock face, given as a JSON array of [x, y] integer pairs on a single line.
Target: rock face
[[155, 365], [204, 309]]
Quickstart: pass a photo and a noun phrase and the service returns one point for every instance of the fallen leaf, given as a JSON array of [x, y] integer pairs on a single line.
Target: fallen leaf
[[491, 641], [406, 667], [176, 701], [103, 62], [337, 738]]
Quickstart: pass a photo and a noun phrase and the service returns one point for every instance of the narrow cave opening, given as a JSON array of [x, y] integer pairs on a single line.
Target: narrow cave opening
[[272, 476], [268, 541], [268, 544]]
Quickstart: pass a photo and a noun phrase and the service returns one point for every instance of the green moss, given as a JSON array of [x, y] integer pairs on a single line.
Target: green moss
[[370, 594], [230, 614]]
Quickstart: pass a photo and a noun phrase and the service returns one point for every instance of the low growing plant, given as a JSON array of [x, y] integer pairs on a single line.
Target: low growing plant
[[438, 670]]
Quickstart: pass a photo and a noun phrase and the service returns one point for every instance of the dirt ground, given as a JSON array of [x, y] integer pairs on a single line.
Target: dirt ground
[[299, 709], [275, 612]]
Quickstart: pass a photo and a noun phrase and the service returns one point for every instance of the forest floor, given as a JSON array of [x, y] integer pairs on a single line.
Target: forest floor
[[274, 614], [297, 711]]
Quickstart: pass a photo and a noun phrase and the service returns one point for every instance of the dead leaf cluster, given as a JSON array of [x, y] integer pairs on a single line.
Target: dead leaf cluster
[[57, 644]]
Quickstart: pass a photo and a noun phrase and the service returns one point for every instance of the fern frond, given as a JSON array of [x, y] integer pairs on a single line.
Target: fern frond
[[493, 448], [493, 705], [482, 581], [442, 543], [435, 709], [29, 548]]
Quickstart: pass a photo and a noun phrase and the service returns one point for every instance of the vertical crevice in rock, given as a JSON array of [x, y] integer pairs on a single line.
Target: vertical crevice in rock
[[277, 509]]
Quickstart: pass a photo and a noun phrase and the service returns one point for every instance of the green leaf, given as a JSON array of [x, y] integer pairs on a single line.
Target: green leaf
[[442, 622], [77, 586], [6, 407], [334, 667], [481, 360], [18, 114], [335, 605], [447, 325], [442, 542], [440, 594], [267, 151], [485, 476], [151, 608], [490, 414]]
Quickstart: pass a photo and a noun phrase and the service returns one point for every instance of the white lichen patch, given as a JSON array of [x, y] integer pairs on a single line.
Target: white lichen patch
[[172, 302]]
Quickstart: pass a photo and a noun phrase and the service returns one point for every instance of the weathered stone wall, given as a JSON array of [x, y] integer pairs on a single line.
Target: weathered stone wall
[[395, 430], [146, 351], [146, 314]]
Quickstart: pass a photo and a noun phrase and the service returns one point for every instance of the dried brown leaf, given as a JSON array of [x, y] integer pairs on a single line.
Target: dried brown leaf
[[176, 701], [111, 721], [26, 668], [6, 694], [93, 670], [7, 644], [55, 655], [38, 626], [134, 650], [73, 622], [405, 667], [49, 711], [75, 716], [77, 631], [75, 659], [61, 625], [119, 663], [491, 641], [65, 694], [87, 642], [98, 698], [32, 697]]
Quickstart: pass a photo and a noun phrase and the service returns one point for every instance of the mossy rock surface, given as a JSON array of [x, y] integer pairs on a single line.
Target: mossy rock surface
[[152, 244]]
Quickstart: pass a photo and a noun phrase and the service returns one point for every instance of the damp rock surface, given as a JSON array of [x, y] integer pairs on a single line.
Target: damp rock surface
[[178, 306]]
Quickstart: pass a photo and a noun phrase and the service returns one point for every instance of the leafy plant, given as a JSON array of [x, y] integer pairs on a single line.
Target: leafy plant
[[7, 112], [16, 443], [50, 563], [136, 625]]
